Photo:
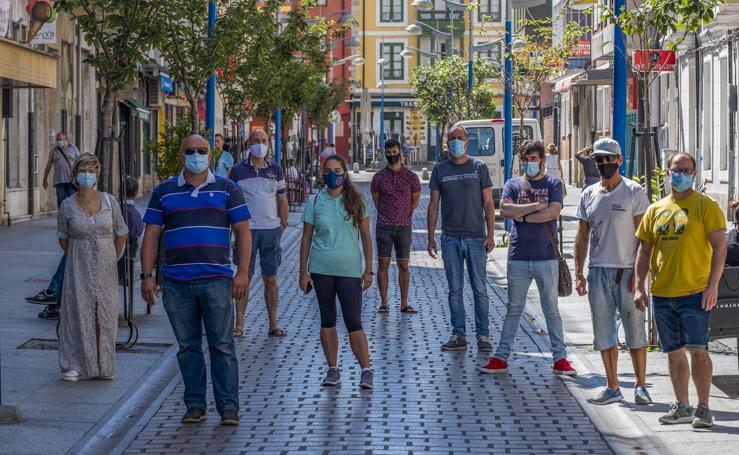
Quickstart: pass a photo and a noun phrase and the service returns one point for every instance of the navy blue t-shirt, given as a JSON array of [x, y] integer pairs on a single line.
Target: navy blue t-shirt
[[529, 241]]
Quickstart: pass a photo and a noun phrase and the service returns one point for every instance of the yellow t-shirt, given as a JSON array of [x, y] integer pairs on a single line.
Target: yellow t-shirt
[[679, 231]]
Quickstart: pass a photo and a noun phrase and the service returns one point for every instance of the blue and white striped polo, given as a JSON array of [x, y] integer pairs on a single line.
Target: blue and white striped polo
[[197, 225]]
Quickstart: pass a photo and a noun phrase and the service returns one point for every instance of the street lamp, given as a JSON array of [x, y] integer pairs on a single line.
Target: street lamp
[[423, 5], [407, 52]]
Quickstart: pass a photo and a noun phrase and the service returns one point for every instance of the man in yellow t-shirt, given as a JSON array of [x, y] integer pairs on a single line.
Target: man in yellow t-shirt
[[682, 240]]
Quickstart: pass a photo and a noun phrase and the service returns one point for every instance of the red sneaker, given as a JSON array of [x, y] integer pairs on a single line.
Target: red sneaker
[[562, 366], [494, 366]]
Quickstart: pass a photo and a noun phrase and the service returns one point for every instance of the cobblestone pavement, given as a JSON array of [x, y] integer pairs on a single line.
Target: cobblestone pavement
[[424, 400]]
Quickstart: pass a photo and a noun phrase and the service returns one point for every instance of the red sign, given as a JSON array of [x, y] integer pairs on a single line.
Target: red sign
[[654, 60], [581, 48]]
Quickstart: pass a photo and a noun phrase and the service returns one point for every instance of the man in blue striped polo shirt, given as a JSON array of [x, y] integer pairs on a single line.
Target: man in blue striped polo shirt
[[196, 211]]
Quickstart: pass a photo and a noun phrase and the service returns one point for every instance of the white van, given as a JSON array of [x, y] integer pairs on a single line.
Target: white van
[[486, 143]]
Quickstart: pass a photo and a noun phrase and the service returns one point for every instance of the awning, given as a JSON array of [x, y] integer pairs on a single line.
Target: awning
[[596, 77], [564, 84], [137, 109], [22, 66]]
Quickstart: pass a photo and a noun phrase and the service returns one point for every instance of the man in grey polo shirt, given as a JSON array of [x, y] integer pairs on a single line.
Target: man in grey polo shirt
[[263, 184]]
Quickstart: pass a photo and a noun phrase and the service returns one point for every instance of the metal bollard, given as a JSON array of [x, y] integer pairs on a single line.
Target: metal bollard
[[356, 168], [425, 173]]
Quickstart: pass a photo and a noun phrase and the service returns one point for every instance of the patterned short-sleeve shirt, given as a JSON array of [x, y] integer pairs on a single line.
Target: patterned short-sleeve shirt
[[396, 193]]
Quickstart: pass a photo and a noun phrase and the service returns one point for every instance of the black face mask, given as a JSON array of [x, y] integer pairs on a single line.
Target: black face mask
[[392, 159], [607, 170]]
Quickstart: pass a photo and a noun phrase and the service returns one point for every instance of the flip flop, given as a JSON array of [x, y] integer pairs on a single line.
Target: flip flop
[[409, 309], [384, 309], [277, 333], [238, 332]]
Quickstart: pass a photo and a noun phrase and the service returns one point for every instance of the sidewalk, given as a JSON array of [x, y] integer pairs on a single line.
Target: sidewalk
[[424, 401], [620, 422]]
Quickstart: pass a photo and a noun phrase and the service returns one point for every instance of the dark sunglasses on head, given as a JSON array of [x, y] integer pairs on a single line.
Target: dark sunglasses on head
[[604, 159], [200, 150]]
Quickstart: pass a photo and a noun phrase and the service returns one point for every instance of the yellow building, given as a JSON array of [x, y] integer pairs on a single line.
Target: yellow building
[[388, 31]]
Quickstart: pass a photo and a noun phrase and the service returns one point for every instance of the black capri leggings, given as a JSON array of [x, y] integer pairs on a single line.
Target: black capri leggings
[[349, 291]]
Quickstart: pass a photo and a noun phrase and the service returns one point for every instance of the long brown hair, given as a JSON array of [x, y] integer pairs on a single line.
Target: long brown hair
[[353, 200]]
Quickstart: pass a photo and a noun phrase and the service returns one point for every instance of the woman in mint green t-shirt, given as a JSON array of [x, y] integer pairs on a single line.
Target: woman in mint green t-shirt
[[334, 222]]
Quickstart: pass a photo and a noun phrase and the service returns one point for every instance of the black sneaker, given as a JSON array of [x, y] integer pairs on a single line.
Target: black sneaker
[[42, 298], [455, 343], [194, 415], [49, 314], [230, 417]]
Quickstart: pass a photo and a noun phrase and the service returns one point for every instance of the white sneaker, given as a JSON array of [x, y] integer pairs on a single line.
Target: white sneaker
[[71, 376]]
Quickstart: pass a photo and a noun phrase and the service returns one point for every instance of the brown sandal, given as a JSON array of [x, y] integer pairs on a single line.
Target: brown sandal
[[277, 333], [384, 309]]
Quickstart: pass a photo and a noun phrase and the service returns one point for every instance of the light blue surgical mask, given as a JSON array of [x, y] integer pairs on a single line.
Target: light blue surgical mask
[[531, 169], [681, 181], [196, 163], [87, 180], [456, 148], [60, 144]]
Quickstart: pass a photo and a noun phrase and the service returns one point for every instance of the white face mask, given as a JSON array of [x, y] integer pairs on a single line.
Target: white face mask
[[259, 150]]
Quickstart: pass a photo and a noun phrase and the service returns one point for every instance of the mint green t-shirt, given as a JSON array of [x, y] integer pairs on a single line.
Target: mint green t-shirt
[[336, 248]]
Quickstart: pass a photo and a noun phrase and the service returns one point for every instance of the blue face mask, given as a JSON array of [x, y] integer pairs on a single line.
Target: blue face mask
[[531, 169], [333, 180], [196, 163], [456, 148], [681, 181], [86, 180]]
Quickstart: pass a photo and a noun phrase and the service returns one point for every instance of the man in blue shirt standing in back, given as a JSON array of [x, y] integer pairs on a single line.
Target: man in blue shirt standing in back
[[196, 211]]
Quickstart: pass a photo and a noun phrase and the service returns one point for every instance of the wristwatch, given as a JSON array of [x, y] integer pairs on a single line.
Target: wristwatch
[[146, 275]]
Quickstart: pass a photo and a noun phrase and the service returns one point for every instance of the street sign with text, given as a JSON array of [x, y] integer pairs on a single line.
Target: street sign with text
[[654, 60]]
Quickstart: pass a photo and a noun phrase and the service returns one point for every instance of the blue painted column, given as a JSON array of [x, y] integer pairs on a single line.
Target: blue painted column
[[382, 117], [438, 144], [508, 97], [619, 84], [278, 136], [210, 97], [330, 133]]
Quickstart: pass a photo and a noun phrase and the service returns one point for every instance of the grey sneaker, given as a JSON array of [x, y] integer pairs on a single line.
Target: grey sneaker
[[455, 343], [333, 377], [194, 415], [703, 417], [483, 344], [641, 396], [607, 396], [676, 414], [365, 382]]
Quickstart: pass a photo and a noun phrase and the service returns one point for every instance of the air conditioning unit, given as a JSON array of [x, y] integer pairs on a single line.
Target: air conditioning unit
[[154, 94]]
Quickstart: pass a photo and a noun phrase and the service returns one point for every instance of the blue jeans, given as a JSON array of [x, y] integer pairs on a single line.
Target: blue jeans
[[55, 287], [455, 252], [520, 275], [63, 191], [190, 306]]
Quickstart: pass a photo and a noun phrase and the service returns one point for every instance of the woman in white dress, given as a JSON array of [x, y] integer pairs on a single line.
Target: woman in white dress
[[553, 166]]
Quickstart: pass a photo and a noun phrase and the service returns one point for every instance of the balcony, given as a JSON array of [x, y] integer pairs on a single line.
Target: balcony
[[439, 19], [727, 16], [602, 46]]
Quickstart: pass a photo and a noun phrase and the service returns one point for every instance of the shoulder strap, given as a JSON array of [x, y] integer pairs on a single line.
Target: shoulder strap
[[65, 157]]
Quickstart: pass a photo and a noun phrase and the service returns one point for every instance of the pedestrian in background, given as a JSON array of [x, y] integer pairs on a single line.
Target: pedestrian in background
[[135, 225], [195, 211], [223, 161], [683, 243], [334, 222], [396, 192], [93, 234], [534, 202], [263, 186], [589, 166], [554, 165], [732, 242], [462, 185], [61, 157], [609, 215]]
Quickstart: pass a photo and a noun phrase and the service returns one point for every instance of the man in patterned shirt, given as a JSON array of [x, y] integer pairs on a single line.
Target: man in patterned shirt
[[396, 192]]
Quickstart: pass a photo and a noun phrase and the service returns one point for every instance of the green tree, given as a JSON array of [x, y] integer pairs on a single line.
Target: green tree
[[652, 25], [191, 54], [440, 89], [121, 32], [165, 149]]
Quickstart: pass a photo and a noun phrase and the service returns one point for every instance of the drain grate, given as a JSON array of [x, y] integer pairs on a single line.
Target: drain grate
[[45, 344]]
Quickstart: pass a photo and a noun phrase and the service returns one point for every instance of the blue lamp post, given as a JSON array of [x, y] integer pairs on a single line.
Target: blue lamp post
[[210, 96], [619, 84]]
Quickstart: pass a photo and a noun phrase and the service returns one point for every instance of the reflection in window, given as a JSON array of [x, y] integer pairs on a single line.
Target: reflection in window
[[481, 141]]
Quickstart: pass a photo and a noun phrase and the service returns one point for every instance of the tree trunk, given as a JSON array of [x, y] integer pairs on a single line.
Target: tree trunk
[[194, 117], [107, 155]]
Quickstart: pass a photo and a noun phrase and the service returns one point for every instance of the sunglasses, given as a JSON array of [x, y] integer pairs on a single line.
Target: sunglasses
[[200, 150], [605, 159]]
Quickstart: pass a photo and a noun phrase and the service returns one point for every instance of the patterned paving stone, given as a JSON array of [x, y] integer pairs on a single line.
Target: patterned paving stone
[[424, 400]]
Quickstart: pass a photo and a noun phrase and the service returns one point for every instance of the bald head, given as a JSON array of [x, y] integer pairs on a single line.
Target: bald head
[[457, 132], [194, 141], [258, 137]]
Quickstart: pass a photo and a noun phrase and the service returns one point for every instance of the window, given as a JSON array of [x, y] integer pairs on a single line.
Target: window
[[481, 141], [489, 11], [393, 71], [494, 53], [392, 10], [322, 2]]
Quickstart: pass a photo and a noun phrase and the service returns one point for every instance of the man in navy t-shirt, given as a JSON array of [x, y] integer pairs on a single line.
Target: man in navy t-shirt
[[533, 201]]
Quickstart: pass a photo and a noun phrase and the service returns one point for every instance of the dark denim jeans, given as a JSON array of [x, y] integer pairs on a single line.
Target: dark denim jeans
[[191, 306], [63, 191]]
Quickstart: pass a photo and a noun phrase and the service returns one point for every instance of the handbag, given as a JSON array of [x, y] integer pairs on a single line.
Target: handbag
[[564, 280]]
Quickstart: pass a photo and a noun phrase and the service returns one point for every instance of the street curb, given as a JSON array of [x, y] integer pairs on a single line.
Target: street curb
[[115, 427], [617, 427]]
